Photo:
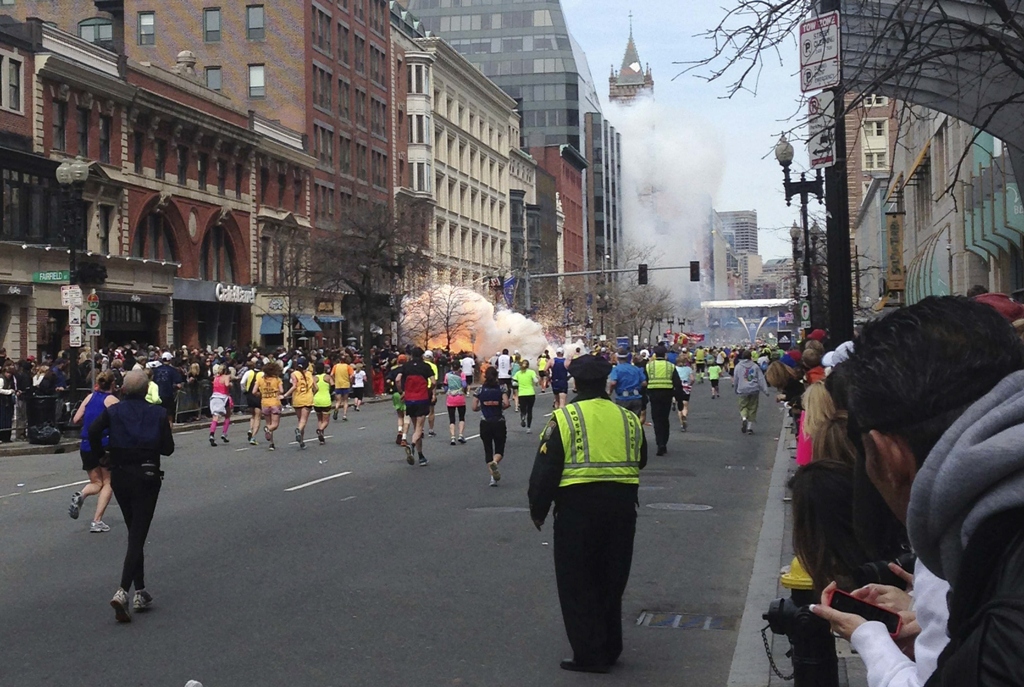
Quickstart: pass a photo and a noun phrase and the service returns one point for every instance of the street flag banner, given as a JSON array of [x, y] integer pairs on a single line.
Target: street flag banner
[[510, 291], [695, 338]]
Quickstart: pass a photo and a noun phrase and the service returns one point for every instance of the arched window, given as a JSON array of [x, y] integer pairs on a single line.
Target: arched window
[[153, 239], [96, 30], [217, 257]]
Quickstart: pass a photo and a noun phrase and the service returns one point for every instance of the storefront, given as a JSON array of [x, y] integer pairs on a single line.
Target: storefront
[[331, 321], [127, 317], [208, 313]]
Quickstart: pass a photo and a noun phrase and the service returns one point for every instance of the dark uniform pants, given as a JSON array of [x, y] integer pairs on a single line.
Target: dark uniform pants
[[593, 555], [661, 406]]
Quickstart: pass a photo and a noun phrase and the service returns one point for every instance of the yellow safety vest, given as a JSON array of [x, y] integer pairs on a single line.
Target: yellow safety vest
[[659, 374], [601, 441]]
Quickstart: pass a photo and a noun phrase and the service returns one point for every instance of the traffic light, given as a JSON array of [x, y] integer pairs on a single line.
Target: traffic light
[[91, 273], [694, 270], [642, 274]]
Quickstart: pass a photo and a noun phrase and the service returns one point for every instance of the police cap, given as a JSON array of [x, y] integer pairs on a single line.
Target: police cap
[[590, 368]]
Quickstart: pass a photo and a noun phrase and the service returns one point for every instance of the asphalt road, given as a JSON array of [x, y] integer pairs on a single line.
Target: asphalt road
[[388, 575]]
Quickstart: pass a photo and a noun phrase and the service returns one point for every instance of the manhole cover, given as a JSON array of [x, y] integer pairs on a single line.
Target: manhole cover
[[685, 621], [679, 506], [499, 509]]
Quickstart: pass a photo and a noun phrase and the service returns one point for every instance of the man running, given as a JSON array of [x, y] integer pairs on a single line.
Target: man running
[[391, 387], [428, 358], [543, 363], [700, 359], [504, 365], [342, 373], [559, 379], [626, 382], [714, 374], [416, 382]]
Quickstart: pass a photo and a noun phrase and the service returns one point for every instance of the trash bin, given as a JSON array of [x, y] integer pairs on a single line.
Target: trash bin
[[42, 408]]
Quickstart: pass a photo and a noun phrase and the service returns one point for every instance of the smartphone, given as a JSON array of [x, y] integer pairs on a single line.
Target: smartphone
[[843, 602]]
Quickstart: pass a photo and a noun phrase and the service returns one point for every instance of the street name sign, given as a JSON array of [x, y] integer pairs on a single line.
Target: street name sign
[[821, 129], [55, 276], [819, 52]]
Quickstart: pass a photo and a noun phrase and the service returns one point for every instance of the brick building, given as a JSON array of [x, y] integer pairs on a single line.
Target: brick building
[[567, 166]]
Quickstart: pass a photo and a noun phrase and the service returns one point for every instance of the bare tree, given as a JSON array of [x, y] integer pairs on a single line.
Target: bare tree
[[289, 276]]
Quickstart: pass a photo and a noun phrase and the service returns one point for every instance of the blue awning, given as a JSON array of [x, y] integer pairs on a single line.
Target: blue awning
[[308, 323], [329, 319], [271, 325]]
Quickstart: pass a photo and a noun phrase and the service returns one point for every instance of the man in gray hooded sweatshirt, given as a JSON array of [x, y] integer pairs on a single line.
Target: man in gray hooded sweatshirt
[[749, 383], [937, 392]]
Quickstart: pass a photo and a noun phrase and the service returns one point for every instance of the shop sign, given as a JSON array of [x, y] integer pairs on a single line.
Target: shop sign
[[325, 307], [15, 290], [231, 293], [276, 305]]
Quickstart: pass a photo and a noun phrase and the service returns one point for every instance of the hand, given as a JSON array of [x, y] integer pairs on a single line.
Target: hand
[[907, 577], [843, 624], [538, 524], [891, 598], [909, 630]]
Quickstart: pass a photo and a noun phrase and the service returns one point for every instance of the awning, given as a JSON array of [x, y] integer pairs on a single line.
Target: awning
[[271, 325], [329, 319], [308, 323]]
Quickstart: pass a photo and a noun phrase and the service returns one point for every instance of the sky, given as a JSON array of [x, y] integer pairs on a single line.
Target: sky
[[744, 128]]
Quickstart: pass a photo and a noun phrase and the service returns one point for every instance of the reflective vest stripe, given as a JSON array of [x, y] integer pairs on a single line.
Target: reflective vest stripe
[[602, 460], [659, 374]]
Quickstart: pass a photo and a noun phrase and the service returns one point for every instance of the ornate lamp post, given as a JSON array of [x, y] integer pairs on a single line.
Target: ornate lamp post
[[72, 175], [803, 188]]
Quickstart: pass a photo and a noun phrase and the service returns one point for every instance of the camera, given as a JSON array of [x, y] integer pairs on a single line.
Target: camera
[[877, 572]]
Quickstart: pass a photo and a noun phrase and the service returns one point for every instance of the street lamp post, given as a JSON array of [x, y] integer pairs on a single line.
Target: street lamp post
[[803, 188], [72, 175], [794, 235]]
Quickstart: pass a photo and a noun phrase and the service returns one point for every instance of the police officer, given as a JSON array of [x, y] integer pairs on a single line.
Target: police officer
[[139, 435], [589, 464], [662, 378]]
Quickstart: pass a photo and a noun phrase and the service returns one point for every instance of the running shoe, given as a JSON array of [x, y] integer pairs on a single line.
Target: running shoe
[[320, 437], [272, 447], [453, 441], [494, 482], [335, 414], [357, 409], [743, 427], [522, 422], [248, 436], [398, 439], [98, 526], [253, 442], [495, 472], [432, 433], [142, 600], [267, 435], [76, 505], [213, 441], [120, 605], [344, 417], [408, 454], [462, 439], [298, 435], [423, 460], [224, 438]]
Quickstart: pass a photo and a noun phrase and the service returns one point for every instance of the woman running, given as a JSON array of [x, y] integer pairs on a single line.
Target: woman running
[[302, 391], [358, 386], [220, 403], [685, 389], [491, 400], [542, 370], [269, 386], [455, 399], [525, 381], [322, 401], [99, 476]]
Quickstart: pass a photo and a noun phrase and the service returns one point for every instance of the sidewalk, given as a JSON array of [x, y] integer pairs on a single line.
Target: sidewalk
[[69, 444], [750, 667]]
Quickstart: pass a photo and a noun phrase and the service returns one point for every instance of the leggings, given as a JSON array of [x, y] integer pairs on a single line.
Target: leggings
[[137, 498], [526, 408], [492, 434], [451, 414]]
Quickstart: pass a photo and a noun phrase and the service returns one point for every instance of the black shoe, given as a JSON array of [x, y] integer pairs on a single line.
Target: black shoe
[[248, 435], [213, 442], [661, 451], [569, 664], [224, 439]]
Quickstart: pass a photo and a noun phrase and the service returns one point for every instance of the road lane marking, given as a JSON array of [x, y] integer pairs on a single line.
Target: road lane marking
[[318, 481], [17, 493], [347, 498], [60, 486], [242, 449], [474, 436]]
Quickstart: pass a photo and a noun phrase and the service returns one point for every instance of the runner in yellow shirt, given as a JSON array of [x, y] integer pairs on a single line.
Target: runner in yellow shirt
[[342, 373], [269, 386], [302, 391]]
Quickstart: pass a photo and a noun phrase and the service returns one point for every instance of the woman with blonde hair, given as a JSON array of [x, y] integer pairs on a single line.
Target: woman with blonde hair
[[220, 403]]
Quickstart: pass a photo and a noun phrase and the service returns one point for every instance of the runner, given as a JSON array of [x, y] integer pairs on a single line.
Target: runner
[[524, 382], [416, 382], [342, 373], [504, 365], [559, 379], [627, 380], [468, 363], [269, 385], [701, 362], [99, 477], [220, 403], [391, 387], [683, 393], [252, 400], [491, 401], [456, 387], [543, 362], [428, 358], [302, 390], [322, 401], [714, 374], [358, 386]]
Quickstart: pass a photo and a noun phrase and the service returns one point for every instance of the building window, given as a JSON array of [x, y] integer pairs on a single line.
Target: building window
[[217, 258], [147, 28], [360, 54], [238, 180], [153, 239], [182, 165], [202, 170], [343, 40], [875, 101], [418, 79], [106, 227], [222, 177], [876, 161], [361, 162], [264, 183], [96, 30], [161, 159], [345, 155], [282, 184], [297, 195], [213, 78], [84, 120], [344, 99], [138, 143], [13, 101], [322, 30], [257, 81], [106, 126], [60, 125], [255, 23], [876, 128], [211, 25], [264, 258]]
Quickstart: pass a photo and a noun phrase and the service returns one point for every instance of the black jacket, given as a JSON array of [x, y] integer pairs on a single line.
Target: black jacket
[[139, 433], [986, 609]]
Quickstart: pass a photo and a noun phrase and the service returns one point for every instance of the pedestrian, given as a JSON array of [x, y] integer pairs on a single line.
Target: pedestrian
[[559, 379], [588, 465], [428, 358], [168, 380], [342, 373], [138, 435], [627, 381], [252, 399], [322, 400], [685, 373], [221, 405], [397, 401], [99, 477], [269, 386], [416, 382], [8, 401], [714, 374], [525, 383], [358, 386], [491, 401], [301, 392], [456, 387], [749, 383], [661, 380]]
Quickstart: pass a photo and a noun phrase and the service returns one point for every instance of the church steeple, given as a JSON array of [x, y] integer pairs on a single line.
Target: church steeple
[[632, 79]]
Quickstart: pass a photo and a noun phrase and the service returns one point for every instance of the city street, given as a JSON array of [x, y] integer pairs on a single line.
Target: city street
[[342, 565]]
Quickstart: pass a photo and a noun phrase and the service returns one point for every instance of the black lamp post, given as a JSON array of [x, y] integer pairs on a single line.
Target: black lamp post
[[794, 235], [803, 188], [72, 175]]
